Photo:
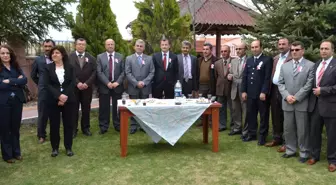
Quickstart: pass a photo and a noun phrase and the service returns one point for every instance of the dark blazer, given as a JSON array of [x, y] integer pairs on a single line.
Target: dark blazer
[[326, 102], [194, 71], [212, 73], [87, 74], [256, 81], [160, 73], [15, 85], [54, 87], [37, 75]]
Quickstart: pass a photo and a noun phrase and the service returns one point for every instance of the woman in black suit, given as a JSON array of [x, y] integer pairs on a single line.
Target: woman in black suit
[[12, 81], [59, 79]]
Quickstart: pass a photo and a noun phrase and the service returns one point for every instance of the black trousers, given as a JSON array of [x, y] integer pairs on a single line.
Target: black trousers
[[134, 123], [11, 114], [104, 110], [42, 119], [67, 111], [165, 87], [277, 114], [253, 107], [84, 99], [187, 87]]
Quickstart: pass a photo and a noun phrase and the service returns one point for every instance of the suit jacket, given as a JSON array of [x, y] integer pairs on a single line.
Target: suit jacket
[[257, 76], [326, 102], [237, 77], [87, 74], [103, 72], [212, 84], [171, 73], [194, 71], [136, 72], [54, 87], [37, 75], [15, 84], [299, 84], [223, 85]]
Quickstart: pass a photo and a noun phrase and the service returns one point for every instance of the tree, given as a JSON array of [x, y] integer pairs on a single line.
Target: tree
[[158, 18], [96, 22], [308, 21]]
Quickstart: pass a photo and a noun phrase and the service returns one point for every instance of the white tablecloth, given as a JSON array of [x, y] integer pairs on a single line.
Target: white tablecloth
[[166, 120]]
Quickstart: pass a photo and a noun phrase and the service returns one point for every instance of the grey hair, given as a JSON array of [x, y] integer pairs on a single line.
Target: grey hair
[[186, 43], [140, 41]]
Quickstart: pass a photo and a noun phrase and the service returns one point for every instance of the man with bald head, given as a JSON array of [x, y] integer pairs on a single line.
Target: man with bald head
[[238, 104], [255, 89], [223, 86], [110, 72]]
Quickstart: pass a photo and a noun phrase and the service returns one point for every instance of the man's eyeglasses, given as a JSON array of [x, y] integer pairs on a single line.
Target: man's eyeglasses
[[237, 49], [295, 50]]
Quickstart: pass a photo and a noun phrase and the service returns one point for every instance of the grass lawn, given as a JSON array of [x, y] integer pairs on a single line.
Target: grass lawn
[[97, 161]]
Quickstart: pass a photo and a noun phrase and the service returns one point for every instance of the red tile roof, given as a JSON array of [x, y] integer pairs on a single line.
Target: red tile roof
[[219, 12]]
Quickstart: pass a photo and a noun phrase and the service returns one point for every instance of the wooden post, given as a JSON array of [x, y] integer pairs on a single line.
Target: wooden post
[[218, 43]]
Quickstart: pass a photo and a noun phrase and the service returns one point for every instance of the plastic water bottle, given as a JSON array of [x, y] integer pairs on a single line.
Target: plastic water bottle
[[178, 89]]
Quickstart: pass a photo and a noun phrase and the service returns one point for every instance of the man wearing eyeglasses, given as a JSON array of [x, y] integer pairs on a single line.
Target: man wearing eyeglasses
[[276, 99], [223, 87], [322, 103], [295, 84], [255, 89], [238, 105]]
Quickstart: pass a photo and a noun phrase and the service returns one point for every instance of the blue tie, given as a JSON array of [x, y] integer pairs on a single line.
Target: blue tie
[[139, 60]]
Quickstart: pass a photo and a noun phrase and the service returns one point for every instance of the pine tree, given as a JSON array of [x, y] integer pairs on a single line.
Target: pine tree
[[158, 18], [96, 22], [308, 21]]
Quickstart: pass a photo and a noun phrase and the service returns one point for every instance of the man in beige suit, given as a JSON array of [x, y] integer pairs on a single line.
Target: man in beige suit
[[238, 105], [223, 86]]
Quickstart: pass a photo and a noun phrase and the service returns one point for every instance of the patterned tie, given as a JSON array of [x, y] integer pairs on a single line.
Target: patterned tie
[[139, 60], [295, 67], [80, 55], [320, 74], [111, 67], [186, 69]]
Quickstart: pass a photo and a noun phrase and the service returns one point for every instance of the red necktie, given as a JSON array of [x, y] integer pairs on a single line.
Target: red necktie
[[164, 64], [320, 74], [111, 67]]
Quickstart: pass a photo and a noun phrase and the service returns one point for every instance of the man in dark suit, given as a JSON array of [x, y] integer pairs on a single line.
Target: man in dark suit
[[85, 67], [255, 89], [322, 106], [166, 71], [188, 70], [36, 75], [110, 72], [276, 99]]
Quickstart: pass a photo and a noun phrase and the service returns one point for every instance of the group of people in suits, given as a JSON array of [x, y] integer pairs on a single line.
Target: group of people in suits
[[299, 93]]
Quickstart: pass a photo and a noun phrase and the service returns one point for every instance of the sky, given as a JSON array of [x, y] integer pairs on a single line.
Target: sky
[[125, 12]]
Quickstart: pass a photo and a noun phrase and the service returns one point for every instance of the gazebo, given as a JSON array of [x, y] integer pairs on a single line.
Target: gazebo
[[218, 17]]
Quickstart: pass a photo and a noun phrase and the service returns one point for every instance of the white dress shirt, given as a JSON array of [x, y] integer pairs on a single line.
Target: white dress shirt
[[282, 59]]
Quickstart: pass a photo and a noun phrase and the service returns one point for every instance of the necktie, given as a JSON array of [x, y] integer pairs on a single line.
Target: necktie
[[320, 74], [165, 61], [111, 67], [295, 66], [186, 69], [255, 60], [80, 55], [139, 60]]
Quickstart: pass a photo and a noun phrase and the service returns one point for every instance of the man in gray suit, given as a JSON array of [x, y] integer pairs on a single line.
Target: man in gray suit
[[295, 84], [110, 72], [238, 104], [36, 75], [139, 69], [188, 70]]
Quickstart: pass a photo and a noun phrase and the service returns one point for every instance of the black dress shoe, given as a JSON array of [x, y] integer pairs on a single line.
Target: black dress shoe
[[261, 142], [232, 133], [69, 152], [288, 156], [101, 132], [221, 129], [249, 138], [303, 159], [87, 133], [54, 153], [133, 130]]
